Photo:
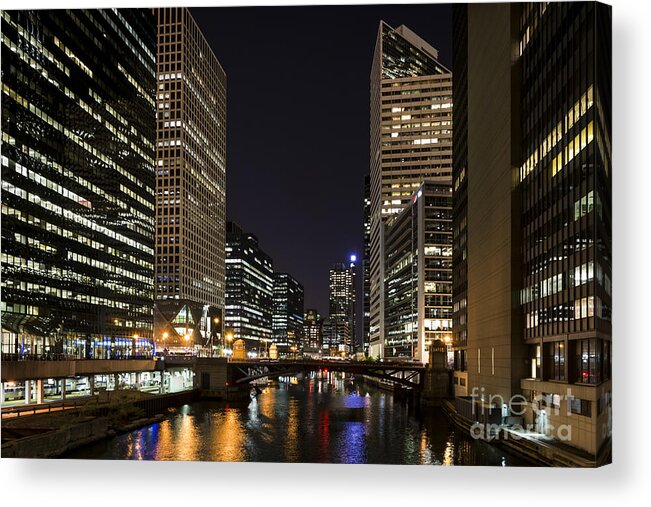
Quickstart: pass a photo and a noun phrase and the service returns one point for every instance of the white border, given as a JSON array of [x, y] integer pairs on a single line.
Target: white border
[[65, 482]]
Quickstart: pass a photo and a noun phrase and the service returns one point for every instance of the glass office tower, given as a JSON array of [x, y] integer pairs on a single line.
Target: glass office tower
[[418, 274], [288, 308], [249, 291], [78, 133]]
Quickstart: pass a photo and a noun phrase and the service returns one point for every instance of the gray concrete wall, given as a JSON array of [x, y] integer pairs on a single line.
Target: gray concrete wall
[[13, 371]]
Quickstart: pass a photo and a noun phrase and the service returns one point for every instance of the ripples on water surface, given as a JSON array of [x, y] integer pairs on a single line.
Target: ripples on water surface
[[312, 421]]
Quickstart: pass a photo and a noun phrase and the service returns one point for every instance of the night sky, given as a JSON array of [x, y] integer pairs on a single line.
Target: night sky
[[298, 124]]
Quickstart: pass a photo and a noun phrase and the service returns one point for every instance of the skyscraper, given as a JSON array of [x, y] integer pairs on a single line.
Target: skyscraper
[[366, 268], [418, 274], [249, 290], [532, 223], [342, 306], [411, 134], [78, 133], [313, 333], [288, 307], [190, 184]]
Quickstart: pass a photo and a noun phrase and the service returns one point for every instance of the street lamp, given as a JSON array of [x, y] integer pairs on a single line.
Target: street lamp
[[229, 338]]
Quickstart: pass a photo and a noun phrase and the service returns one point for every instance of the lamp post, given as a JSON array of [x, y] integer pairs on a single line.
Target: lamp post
[[214, 332], [229, 339]]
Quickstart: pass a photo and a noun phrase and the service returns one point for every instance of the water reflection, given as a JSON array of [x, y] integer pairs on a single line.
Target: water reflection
[[318, 420]]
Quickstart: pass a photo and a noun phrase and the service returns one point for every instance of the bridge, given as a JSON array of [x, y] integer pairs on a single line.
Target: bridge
[[214, 376], [406, 374]]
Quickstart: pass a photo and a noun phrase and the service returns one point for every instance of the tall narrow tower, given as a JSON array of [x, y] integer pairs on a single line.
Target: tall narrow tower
[[411, 141], [366, 267], [190, 184], [342, 306]]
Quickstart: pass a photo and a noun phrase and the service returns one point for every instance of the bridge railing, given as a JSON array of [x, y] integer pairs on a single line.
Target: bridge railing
[[41, 408]]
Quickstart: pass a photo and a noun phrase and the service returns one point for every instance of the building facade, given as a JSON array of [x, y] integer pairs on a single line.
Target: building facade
[[288, 313], [249, 291], [190, 185], [533, 311], [313, 333], [342, 308], [336, 337], [418, 274], [411, 139], [78, 133], [366, 269]]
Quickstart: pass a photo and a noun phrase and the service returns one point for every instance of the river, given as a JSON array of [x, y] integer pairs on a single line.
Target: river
[[333, 420]]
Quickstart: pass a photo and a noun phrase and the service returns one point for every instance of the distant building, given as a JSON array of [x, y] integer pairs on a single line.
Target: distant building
[[78, 182], [410, 142], [418, 279], [249, 290], [336, 337], [313, 333], [287, 319], [190, 185], [342, 306]]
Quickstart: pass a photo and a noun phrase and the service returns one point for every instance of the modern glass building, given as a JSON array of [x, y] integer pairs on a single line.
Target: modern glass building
[[190, 185], [533, 310], [78, 181], [342, 307], [411, 139], [288, 308], [249, 291], [418, 274]]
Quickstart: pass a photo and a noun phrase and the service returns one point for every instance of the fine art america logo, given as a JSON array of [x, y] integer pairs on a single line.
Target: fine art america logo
[[510, 416]]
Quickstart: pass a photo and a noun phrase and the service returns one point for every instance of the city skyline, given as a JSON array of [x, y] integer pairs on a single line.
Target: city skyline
[[279, 178], [489, 245], [548, 260]]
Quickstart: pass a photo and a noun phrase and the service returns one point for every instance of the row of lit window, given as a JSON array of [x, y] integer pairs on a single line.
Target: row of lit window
[[58, 210], [583, 308], [577, 111], [71, 135]]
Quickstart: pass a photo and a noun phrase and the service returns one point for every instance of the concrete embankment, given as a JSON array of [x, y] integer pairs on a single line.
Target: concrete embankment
[[534, 450], [52, 435]]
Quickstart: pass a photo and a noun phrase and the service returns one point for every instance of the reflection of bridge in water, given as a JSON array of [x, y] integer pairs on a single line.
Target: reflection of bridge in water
[[405, 374]]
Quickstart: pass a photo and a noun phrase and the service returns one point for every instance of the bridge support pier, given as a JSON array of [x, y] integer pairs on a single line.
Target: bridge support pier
[[28, 392], [240, 392], [39, 391]]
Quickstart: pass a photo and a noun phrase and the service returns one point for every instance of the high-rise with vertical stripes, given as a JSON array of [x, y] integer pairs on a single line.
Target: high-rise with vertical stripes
[[411, 141], [190, 184], [532, 215]]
